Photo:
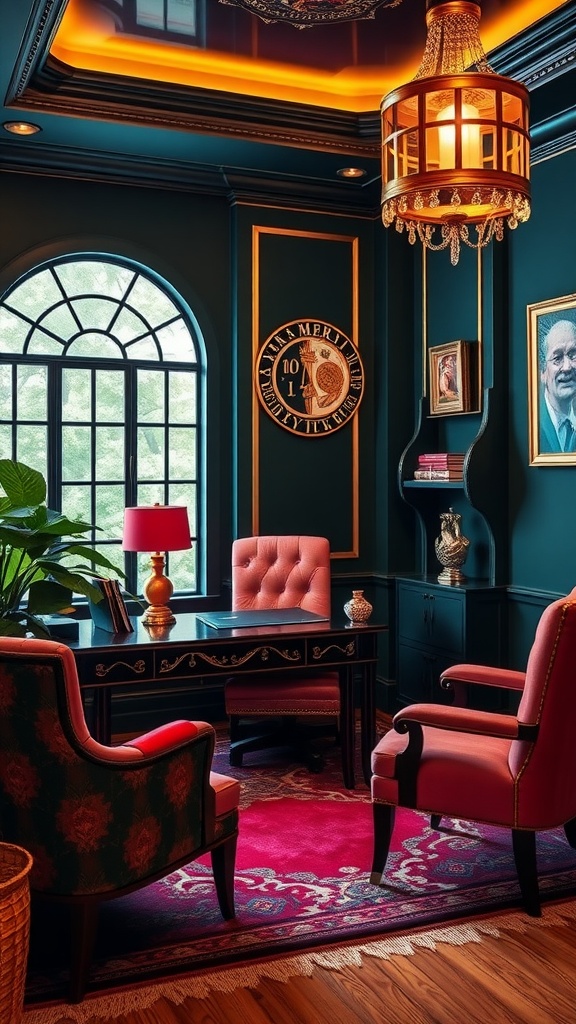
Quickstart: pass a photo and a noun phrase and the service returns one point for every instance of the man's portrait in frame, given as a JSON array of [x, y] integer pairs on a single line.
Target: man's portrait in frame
[[552, 381]]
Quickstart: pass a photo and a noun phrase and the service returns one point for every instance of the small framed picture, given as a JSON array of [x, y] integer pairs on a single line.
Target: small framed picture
[[453, 380], [552, 382]]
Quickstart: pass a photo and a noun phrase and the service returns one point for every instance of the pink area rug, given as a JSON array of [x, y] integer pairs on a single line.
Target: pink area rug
[[301, 883]]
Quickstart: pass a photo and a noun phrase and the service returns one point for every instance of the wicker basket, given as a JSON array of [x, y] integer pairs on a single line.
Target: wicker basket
[[15, 864]]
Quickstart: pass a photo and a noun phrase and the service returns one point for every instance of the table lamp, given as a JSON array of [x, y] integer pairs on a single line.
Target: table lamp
[[157, 528]]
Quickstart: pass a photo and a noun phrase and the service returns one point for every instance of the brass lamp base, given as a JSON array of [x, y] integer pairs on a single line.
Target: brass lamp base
[[158, 615], [158, 590]]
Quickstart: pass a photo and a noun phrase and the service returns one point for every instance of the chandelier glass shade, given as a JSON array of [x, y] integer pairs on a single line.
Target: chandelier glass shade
[[455, 141]]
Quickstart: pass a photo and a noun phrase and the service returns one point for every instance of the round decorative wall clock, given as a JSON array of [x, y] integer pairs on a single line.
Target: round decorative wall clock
[[309, 377]]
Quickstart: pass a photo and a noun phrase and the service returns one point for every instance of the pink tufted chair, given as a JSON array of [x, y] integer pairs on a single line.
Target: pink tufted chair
[[516, 771], [102, 821], [280, 572]]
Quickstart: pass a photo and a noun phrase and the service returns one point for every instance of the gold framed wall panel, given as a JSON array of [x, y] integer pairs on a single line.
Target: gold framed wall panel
[[259, 335]]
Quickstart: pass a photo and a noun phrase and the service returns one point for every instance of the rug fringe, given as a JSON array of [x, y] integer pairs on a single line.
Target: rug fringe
[[177, 990]]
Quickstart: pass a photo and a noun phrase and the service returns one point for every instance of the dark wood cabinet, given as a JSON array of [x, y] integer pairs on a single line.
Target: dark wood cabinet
[[438, 626]]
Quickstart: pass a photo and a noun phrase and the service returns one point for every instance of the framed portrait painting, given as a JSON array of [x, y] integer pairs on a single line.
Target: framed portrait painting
[[552, 382], [453, 382]]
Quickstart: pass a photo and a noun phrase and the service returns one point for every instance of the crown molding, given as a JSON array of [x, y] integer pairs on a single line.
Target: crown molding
[[55, 90], [542, 52], [347, 198]]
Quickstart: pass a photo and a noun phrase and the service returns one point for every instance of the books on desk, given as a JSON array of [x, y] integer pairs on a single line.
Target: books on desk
[[110, 613]]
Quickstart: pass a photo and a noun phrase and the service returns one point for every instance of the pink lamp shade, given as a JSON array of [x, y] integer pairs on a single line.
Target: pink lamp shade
[[156, 528]]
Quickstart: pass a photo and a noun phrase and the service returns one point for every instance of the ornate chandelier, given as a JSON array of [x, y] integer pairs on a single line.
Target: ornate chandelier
[[455, 142]]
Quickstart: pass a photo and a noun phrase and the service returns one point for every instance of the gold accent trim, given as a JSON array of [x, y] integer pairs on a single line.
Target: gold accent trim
[[349, 651], [102, 670], [257, 231], [480, 329], [424, 321], [228, 662]]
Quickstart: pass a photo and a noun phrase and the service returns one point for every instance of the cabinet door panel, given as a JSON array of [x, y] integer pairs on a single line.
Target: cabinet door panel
[[419, 676], [430, 616], [446, 618]]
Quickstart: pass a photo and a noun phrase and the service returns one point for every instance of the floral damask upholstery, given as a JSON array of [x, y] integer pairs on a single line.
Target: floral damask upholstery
[[100, 821]]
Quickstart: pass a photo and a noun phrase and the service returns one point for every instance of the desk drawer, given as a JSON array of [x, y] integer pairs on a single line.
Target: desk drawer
[[204, 660], [115, 667], [333, 650]]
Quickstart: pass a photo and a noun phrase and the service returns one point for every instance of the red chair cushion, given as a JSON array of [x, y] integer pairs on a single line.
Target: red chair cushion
[[284, 694], [459, 776]]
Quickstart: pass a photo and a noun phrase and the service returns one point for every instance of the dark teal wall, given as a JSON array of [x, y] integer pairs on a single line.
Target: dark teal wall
[[185, 239], [542, 498], [204, 246]]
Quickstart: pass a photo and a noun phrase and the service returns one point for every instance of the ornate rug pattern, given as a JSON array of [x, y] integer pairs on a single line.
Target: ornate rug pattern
[[302, 899]]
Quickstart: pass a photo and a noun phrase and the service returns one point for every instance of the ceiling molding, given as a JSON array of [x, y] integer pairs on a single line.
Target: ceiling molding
[[348, 198], [542, 52], [41, 83]]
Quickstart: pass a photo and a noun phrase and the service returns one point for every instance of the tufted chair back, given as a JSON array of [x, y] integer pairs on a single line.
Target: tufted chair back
[[100, 821], [281, 572], [287, 571]]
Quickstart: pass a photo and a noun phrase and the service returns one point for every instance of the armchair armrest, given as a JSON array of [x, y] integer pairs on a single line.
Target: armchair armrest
[[150, 745], [457, 719], [436, 716], [457, 678]]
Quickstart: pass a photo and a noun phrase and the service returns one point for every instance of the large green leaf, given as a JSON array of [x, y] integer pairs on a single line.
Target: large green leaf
[[22, 484], [48, 596]]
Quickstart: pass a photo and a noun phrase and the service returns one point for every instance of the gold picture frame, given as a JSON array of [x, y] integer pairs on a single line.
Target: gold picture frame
[[551, 330], [453, 380]]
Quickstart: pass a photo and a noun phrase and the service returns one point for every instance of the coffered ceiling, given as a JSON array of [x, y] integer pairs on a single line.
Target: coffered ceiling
[[244, 99]]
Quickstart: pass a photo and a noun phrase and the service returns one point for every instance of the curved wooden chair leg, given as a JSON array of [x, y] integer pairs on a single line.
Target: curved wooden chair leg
[[383, 816], [223, 859], [524, 846], [570, 832], [435, 820]]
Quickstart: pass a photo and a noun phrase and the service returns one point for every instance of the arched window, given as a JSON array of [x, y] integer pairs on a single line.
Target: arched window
[[100, 373]]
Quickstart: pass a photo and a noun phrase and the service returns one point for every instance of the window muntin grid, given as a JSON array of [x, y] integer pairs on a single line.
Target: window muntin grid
[[100, 391]]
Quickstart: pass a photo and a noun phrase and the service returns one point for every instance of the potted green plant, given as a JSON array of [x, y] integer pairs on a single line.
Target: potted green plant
[[43, 562]]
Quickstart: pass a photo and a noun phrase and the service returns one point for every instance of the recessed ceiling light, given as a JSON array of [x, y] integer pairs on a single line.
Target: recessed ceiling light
[[21, 127], [351, 172]]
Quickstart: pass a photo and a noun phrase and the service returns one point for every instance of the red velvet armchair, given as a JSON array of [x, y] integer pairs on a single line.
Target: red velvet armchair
[[280, 572], [102, 821], [515, 771]]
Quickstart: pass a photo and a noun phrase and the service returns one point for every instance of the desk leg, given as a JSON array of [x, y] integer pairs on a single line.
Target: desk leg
[[102, 715], [368, 719], [347, 726]]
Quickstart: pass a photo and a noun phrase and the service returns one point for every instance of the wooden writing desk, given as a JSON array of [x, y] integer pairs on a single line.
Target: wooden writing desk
[[189, 649]]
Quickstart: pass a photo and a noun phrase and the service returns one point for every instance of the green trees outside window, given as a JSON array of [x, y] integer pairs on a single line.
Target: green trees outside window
[[100, 392]]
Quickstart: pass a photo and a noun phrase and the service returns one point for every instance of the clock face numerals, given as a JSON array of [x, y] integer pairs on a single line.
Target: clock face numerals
[[309, 377]]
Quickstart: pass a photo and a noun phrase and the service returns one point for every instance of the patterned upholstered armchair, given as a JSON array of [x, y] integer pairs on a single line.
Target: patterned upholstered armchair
[[515, 771], [102, 821], [280, 572]]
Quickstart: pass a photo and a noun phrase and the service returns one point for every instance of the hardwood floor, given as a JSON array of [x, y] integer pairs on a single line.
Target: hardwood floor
[[518, 978]]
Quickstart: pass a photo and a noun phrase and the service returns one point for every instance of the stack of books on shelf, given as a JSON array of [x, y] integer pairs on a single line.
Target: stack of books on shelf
[[110, 613], [440, 466]]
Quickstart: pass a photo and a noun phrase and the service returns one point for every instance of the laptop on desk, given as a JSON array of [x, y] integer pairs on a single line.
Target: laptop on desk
[[244, 618]]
